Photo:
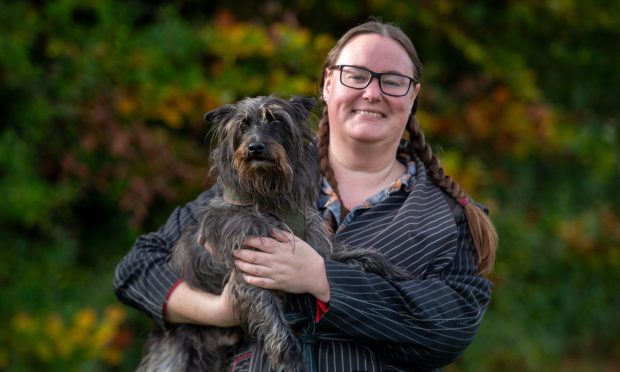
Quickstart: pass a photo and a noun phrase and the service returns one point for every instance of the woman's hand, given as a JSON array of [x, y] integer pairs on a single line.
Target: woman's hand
[[285, 263]]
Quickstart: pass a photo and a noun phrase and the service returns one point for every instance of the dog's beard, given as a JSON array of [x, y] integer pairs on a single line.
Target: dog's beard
[[269, 176]]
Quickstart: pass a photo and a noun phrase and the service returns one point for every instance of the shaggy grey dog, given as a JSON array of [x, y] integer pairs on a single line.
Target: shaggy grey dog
[[268, 176]]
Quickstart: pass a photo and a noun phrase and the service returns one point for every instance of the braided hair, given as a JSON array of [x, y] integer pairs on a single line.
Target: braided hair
[[481, 228]]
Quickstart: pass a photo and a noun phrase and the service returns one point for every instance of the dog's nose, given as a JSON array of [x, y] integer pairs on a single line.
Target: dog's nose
[[256, 148]]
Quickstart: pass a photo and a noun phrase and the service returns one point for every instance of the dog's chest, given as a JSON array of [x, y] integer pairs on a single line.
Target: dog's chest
[[229, 225]]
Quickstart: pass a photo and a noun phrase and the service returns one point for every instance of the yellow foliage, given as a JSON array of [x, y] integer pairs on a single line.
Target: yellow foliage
[[24, 323], [469, 174], [241, 58], [323, 42], [230, 39], [177, 106], [49, 337], [115, 314], [85, 319], [511, 125], [112, 356], [283, 34], [126, 105], [54, 327]]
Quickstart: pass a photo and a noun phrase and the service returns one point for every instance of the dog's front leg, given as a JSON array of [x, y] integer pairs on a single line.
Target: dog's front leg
[[260, 312]]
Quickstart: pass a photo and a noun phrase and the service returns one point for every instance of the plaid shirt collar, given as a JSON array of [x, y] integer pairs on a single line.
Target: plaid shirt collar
[[330, 205]]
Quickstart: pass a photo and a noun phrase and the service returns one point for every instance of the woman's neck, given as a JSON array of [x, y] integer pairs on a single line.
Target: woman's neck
[[362, 174]]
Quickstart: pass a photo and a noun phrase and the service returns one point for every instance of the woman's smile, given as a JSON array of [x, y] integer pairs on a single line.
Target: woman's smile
[[372, 114]]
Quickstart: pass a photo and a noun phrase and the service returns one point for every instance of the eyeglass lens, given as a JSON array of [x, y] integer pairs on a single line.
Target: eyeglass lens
[[359, 78]]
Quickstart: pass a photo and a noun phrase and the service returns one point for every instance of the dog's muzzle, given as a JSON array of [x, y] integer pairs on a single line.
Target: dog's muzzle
[[257, 150]]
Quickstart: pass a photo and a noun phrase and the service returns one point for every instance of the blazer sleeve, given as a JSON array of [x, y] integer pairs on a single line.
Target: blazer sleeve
[[144, 278], [427, 321]]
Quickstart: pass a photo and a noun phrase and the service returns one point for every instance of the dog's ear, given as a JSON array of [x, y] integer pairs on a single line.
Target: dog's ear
[[305, 104], [218, 115]]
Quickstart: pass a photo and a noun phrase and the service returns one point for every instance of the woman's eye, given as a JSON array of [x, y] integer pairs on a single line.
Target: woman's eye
[[357, 78], [393, 83]]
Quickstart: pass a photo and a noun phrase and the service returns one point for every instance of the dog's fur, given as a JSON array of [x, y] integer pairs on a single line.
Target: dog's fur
[[267, 165]]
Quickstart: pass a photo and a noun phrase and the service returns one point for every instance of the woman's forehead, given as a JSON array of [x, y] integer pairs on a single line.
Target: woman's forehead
[[376, 52]]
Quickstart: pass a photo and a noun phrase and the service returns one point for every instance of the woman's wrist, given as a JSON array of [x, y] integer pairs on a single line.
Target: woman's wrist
[[189, 305], [321, 290]]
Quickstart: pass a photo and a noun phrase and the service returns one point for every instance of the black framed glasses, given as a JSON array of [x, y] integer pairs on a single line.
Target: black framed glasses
[[395, 85]]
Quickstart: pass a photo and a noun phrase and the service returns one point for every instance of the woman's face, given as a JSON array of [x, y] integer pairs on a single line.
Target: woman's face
[[368, 115]]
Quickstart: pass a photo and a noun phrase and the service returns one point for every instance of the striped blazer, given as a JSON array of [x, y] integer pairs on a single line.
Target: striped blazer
[[370, 324]]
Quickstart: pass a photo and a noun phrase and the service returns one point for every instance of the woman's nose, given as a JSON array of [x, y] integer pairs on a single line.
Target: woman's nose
[[373, 91]]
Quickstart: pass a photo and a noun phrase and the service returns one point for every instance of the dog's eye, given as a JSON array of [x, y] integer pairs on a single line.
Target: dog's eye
[[243, 126]]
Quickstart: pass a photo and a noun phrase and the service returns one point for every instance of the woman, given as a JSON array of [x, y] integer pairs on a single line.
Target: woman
[[378, 191]]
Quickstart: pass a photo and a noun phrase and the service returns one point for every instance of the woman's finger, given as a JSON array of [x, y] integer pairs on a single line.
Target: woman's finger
[[253, 269], [262, 243], [282, 236], [260, 282], [252, 256]]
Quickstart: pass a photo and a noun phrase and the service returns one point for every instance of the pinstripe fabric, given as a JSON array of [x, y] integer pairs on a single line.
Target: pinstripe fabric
[[419, 324], [143, 278]]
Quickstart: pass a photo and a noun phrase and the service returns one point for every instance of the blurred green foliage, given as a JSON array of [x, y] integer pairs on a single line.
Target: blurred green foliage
[[101, 137]]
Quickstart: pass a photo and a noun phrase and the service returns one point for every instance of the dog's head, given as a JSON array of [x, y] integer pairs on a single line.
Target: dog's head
[[267, 152]]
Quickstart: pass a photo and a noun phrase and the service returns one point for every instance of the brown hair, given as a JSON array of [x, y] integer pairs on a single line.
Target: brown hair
[[481, 228]]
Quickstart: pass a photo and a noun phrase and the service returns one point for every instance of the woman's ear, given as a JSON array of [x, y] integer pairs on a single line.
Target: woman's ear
[[327, 85], [416, 91]]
